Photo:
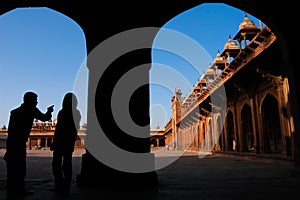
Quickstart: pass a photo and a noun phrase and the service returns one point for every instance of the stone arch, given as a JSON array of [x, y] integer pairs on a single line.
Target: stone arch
[[43, 142], [247, 136], [153, 142], [162, 142], [49, 141], [263, 97], [271, 125], [230, 134]]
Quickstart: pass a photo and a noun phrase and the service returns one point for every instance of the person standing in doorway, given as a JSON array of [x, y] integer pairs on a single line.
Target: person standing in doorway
[[65, 134], [19, 127]]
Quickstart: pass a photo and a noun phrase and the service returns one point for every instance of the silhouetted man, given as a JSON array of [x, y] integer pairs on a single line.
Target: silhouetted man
[[19, 127]]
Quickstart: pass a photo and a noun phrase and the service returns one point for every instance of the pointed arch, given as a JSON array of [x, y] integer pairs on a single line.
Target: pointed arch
[[247, 135], [271, 125], [153, 142], [231, 141], [162, 142]]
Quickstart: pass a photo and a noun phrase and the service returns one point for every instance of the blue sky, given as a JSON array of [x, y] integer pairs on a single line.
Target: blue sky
[[41, 50], [44, 51], [210, 26]]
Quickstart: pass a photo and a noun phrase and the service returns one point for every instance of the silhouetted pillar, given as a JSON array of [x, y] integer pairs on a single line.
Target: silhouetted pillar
[[110, 149]]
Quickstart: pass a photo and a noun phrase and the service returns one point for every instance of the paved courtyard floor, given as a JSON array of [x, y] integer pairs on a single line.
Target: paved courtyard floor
[[181, 176]]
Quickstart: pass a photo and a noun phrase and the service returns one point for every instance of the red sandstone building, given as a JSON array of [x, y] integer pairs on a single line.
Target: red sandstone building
[[157, 137], [42, 134], [256, 119]]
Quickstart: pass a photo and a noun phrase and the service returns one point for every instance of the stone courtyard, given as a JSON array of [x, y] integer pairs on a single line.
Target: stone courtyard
[[191, 176]]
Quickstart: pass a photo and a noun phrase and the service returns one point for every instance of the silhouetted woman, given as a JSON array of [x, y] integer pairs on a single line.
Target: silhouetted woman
[[68, 123]]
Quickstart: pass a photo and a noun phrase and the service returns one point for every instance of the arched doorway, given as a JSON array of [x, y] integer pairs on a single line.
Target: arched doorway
[[162, 142], [43, 142], [271, 125], [230, 135], [153, 142], [247, 129], [49, 141]]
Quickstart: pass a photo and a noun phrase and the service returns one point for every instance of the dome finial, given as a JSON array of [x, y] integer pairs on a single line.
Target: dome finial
[[218, 57], [246, 22], [230, 44]]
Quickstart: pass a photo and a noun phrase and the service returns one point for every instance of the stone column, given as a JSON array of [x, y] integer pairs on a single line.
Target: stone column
[[236, 121], [113, 154], [254, 124], [258, 125], [38, 142], [284, 114]]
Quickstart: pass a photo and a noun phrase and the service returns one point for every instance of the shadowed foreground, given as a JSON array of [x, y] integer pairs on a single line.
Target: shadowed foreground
[[189, 177]]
